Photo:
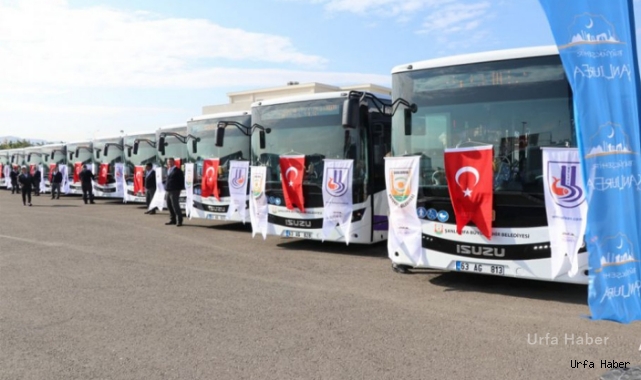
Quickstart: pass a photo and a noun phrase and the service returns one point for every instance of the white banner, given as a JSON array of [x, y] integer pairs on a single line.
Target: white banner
[[43, 188], [565, 207], [401, 182], [189, 189], [237, 180], [258, 208], [65, 186], [121, 185], [7, 175], [337, 196], [159, 196]]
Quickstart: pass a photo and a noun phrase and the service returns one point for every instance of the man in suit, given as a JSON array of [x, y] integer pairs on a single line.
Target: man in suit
[[150, 186], [37, 177], [174, 184], [14, 180], [56, 182], [26, 180], [86, 178]]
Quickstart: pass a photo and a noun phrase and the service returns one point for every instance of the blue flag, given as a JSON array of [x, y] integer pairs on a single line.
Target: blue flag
[[596, 41]]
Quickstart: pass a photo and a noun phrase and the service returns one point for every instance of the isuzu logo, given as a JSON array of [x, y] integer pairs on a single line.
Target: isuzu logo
[[480, 251], [298, 223]]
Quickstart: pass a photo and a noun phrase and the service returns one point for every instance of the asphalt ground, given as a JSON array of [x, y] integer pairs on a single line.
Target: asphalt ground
[[105, 292]]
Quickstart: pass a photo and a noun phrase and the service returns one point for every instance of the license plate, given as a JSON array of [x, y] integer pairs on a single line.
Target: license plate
[[215, 217], [463, 266], [297, 234]]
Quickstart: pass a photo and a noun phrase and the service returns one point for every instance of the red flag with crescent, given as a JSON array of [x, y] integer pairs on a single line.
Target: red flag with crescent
[[52, 167], [178, 161], [77, 168], [102, 174], [32, 169], [469, 179], [292, 169], [209, 181], [139, 176]]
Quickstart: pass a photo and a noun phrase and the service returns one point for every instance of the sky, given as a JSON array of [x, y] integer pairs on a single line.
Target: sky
[[78, 69]]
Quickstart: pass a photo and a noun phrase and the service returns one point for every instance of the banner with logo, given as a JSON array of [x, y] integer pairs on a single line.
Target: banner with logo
[[292, 169], [258, 206], [337, 196], [103, 171], [597, 44], [43, 188], [119, 178], [565, 207], [189, 189], [7, 175], [158, 201], [470, 183], [209, 179], [238, 172], [65, 186], [401, 183]]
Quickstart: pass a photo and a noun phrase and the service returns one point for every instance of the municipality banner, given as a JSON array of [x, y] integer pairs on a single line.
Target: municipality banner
[[238, 174], [43, 187], [65, 186], [258, 207], [597, 45], [337, 197], [565, 207], [121, 185], [158, 201], [401, 183], [189, 189], [7, 175]]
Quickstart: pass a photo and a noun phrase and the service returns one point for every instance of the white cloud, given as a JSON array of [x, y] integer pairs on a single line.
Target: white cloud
[[78, 110], [379, 7], [45, 43], [455, 18]]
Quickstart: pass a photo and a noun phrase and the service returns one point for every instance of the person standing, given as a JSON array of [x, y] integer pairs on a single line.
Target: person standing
[[56, 183], [26, 181], [86, 178], [13, 176], [37, 177], [150, 186], [174, 185]]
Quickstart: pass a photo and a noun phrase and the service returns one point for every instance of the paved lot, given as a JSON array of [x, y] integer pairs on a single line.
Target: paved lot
[[105, 292]]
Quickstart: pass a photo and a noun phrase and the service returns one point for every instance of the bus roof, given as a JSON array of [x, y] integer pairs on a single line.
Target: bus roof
[[219, 115], [302, 98], [488, 56], [172, 126]]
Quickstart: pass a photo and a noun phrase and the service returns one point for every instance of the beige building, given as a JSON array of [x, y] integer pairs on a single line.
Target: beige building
[[242, 100]]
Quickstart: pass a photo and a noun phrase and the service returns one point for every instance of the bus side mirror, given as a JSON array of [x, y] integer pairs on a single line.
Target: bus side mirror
[[407, 116], [261, 139], [220, 136], [12, 157], [161, 145], [136, 147], [194, 145], [350, 113], [77, 152], [29, 157], [98, 152], [129, 152], [71, 155], [106, 150], [53, 154]]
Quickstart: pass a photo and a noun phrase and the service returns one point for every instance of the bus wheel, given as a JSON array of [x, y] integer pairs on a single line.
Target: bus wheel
[[399, 268]]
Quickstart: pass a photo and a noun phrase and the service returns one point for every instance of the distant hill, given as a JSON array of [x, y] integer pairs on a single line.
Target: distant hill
[[14, 139]]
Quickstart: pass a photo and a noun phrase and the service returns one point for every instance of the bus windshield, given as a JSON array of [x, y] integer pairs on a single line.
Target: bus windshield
[[146, 152], [115, 151], [311, 128], [517, 106]]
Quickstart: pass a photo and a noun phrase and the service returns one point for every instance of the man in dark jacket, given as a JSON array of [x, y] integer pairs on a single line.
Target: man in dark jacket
[[37, 177], [26, 180], [56, 182], [173, 186], [150, 186], [86, 178], [14, 180]]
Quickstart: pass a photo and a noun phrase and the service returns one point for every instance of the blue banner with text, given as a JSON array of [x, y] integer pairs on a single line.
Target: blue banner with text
[[597, 45]]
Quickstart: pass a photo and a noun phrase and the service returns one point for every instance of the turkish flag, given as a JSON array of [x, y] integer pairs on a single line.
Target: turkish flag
[[178, 162], [469, 178], [292, 169], [51, 168], [32, 169], [77, 168], [102, 174], [139, 179], [209, 180]]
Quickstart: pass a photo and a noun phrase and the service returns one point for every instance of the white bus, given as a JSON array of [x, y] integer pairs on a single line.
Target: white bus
[[53, 155], [222, 136], [345, 125], [5, 162], [171, 142], [140, 150], [516, 100], [34, 159], [108, 151], [79, 153]]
